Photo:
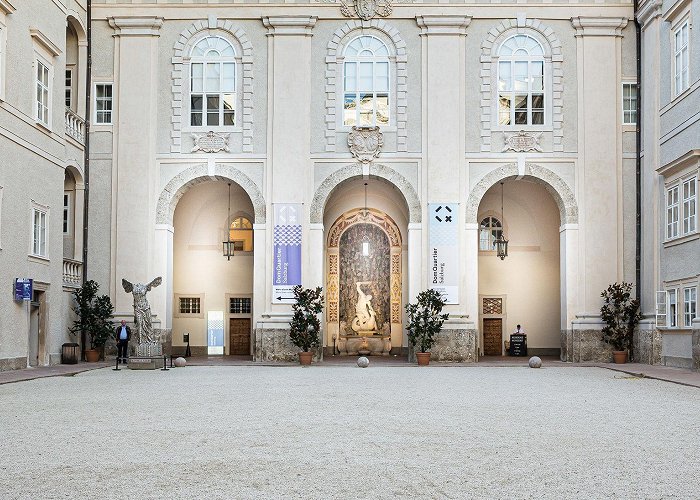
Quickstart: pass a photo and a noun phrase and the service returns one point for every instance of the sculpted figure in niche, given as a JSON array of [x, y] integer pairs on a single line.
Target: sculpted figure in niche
[[365, 318], [142, 309]]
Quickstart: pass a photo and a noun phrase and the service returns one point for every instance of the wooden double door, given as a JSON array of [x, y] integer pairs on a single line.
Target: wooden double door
[[239, 336], [493, 336]]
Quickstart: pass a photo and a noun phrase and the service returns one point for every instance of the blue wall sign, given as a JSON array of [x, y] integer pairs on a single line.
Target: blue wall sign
[[23, 289]]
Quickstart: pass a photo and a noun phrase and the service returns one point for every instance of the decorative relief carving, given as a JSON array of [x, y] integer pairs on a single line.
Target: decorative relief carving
[[522, 142], [369, 217], [366, 9], [211, 142], [365, 143]]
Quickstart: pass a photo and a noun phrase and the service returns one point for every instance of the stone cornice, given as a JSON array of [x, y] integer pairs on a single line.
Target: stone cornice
[[598, 26], [289, 25], [443, 25], [648, 10], [6, 7], [690, 159], [136, 26], [44, 41]]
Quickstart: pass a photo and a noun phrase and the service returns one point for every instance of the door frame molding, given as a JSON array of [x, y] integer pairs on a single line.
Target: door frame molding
[[503, 316]]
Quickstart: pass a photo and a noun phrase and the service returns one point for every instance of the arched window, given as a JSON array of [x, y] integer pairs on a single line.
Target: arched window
[[490, 230], [366, 83], [241, 233], [212, 83], [521, 83]]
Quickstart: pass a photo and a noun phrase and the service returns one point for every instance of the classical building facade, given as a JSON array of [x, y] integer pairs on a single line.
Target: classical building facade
[[671, 167], [42, 135], [373, 149]]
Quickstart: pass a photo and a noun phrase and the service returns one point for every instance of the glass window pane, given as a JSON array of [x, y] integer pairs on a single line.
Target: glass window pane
[[197, 73], [505, 79], [366, 102], [229, 118], [382, 109], [350, 76], [520, 75], [381, 77], [365, 76], [349, 110], [229, 84], [196, 103], [537, 101], [212, 102], [196, 119], [229, 101], [537, 68], [213, 76], [504, 105], [538, 117], [213, 118]]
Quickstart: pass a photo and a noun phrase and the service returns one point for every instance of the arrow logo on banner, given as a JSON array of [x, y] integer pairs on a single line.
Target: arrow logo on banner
[[280, 298]]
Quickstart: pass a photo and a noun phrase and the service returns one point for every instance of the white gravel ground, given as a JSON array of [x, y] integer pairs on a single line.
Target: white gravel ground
[[345, 432]]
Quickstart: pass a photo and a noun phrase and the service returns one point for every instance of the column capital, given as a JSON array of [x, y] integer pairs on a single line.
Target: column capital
[[443, 25], [289, 25], [649, 10], [598, 26], [136, 26]]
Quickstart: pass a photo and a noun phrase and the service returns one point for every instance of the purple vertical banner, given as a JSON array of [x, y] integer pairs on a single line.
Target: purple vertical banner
[[286, 252]]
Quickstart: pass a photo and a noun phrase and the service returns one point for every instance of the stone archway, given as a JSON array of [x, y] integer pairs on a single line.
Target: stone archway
[[555, 185], [178, 186], [334, 181], [387, 225]]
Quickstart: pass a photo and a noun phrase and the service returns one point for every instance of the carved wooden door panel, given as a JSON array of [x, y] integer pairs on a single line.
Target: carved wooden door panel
[[493, 336], [239, 332]]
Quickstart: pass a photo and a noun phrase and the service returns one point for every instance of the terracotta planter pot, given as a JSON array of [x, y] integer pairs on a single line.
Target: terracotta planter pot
[[305, 358], [92, 355], [620, 357], [423, 358]]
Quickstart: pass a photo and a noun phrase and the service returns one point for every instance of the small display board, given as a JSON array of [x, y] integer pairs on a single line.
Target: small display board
[[518, 344], [23, 289]]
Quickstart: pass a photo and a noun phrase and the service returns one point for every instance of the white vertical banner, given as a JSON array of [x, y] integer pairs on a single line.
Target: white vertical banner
[[443, 271]]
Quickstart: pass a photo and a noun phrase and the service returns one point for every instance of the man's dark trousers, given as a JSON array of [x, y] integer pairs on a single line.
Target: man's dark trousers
[[122, 349]]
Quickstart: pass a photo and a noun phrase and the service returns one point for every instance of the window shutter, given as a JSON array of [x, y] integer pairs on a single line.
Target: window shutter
[[661, 298]]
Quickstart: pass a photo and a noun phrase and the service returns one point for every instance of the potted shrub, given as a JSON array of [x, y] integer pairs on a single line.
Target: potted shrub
[[94, 315], [621, 315], [425, 321], [305, 325]]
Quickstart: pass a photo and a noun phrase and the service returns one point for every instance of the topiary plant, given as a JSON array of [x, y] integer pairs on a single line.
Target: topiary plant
[[305, 325], [621, 315], [94, 314], [425, 319]]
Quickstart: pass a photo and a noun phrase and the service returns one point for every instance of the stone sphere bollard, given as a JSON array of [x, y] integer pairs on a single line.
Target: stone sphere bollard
[[362, 362], [180, 362], [535, 362]]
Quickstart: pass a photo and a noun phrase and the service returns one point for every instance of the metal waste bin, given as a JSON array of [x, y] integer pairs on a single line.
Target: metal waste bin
[[70, 353]]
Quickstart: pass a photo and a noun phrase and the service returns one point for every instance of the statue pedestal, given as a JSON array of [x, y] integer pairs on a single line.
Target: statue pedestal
[[367, 345]]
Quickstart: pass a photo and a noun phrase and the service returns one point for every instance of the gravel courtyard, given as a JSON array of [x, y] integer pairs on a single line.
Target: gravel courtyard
[[343, 432]]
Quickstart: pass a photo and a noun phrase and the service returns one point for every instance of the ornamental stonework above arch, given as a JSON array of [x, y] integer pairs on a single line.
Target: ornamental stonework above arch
[[359, 216]]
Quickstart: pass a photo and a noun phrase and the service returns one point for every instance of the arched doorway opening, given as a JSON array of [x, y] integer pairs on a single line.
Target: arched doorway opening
[[524, 287], [212, 294], [365, 262]]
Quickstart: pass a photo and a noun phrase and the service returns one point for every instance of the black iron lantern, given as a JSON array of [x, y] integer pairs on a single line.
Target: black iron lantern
[[501, 242], [228, 244]]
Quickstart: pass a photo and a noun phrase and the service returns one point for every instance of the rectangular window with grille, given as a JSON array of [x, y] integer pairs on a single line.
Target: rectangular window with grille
[[190, 305], [66, 213], [629, 103], [240, 305], [103, 103], [690, 302], [69, 88], [43, 91], [681, 57]]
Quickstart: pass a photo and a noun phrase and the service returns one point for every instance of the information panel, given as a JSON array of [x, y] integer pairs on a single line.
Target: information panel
[[286, 258], [23, 289], [444, 251]]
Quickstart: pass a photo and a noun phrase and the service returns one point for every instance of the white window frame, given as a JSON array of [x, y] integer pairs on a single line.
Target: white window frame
[[689, 206], [204, 61], [629, 104], [489, 230], [374, 60], [103, 99], [68, 83], [681, 75], [672, 212], [40, 61], [39, 210], [66, 222], [690, 305], [545, 91], [672, 308]]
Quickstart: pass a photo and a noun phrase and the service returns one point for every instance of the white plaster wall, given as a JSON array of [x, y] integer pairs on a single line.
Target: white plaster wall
[[529, 276], [198, 264]]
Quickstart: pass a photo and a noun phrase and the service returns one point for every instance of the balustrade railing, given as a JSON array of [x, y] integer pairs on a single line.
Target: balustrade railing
[[72, 273], [75, 126]]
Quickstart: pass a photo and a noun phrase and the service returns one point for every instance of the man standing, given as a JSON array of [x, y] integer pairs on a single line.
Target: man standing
[[123, 335]]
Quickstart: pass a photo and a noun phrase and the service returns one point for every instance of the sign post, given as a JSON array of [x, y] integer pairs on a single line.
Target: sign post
[[286, 253], [443, 268]]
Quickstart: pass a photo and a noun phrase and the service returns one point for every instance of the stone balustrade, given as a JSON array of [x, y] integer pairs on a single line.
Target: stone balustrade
[[75, 126], [72, 273]]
